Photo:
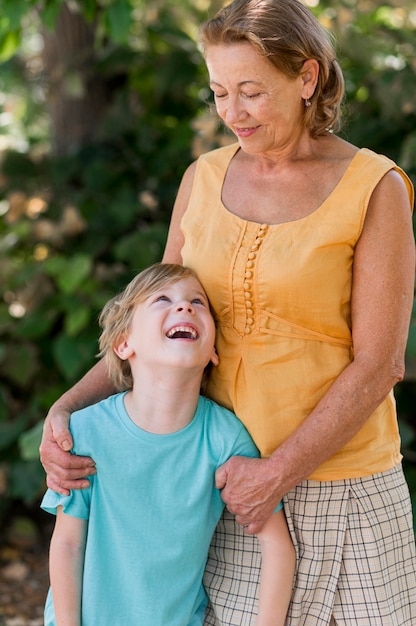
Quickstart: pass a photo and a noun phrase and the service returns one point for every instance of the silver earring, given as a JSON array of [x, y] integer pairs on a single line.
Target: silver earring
[[308, 103]]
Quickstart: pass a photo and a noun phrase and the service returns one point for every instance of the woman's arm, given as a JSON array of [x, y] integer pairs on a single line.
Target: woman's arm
[[277, 571], [382, 298], [66, 562], [64, 470], [175, 240]]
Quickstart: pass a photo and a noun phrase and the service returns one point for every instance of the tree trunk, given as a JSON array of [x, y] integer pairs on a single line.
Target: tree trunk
[[76, 95]]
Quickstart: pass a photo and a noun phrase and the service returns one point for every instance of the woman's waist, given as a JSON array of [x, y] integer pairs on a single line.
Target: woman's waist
[[256, 325], [273, 406]]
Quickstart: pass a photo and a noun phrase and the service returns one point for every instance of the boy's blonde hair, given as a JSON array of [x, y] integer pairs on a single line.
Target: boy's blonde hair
[[116, 316]]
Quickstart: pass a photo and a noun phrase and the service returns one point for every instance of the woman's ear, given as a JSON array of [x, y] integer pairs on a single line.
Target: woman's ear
[[215, 359], [123, 349], [310, 73]]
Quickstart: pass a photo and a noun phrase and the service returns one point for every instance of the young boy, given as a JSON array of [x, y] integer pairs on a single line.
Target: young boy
[[131, 549]]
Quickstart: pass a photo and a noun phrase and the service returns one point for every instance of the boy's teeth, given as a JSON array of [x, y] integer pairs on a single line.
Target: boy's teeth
[[182, 331]]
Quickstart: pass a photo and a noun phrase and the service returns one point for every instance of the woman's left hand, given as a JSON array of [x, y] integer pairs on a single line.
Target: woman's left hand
[[248, 490]]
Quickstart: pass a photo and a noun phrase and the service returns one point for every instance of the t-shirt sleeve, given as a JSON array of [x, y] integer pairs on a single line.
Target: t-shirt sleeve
[[77, 504], [244, 445], [229, 437]]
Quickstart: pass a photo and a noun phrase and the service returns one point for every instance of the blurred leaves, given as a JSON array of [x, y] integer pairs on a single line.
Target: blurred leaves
[[69, 273], [75, 227]]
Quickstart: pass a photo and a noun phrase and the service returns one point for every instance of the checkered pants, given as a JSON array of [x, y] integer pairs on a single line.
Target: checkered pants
[[356, 557]]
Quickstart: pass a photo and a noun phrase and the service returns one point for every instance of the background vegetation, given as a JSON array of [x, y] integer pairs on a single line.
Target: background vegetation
[[103, 103]]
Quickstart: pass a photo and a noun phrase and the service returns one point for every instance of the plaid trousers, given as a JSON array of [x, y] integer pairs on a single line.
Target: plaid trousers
[[356, 557]]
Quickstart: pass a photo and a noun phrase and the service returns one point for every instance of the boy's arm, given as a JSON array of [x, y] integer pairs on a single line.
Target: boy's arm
[[66, 562], [277, 571]]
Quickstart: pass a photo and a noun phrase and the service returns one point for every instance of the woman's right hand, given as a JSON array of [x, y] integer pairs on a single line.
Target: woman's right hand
[[64, 471]]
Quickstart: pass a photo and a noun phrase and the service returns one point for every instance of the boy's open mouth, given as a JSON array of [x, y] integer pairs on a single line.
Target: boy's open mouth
[[182, 332]]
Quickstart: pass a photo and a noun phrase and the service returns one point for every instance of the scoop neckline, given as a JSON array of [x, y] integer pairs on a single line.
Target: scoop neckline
[[301, 219]]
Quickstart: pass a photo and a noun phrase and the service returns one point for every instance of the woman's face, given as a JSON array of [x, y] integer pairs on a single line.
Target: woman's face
[[262, 106]]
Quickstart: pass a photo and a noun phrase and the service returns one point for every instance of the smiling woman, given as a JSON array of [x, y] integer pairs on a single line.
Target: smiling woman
[[254, 100]]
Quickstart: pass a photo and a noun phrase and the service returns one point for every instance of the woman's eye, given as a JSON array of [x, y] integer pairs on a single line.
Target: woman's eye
[[218, 96], [250, 95]]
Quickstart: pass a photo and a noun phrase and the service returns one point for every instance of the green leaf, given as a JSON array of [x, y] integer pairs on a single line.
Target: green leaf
[[6, 321], [141, 248], [77, 319], [69, 272], [22, 363], [10, 432], [29, 442], [50, 13], [89, 8], [407, 435], [119, 20], [27, 478], [9, 43], [73, 355], [411, 341], [2, 352], [14, 10], [36, 324], [5, 408]]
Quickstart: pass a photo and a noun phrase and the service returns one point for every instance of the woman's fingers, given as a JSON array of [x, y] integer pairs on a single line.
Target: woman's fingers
[[65, 471], [247, 492]]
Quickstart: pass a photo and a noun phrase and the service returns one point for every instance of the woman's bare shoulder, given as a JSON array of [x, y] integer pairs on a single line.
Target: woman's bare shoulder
[[335, 148]]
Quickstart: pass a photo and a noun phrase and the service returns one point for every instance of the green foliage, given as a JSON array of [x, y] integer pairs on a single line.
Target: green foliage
[[75, 228]]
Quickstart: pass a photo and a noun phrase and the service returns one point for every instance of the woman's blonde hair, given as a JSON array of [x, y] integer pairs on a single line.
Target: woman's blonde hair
[[288, 34], [116, 316]]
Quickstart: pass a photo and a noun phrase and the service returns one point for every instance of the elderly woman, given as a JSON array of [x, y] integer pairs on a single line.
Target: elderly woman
[[304, 245]]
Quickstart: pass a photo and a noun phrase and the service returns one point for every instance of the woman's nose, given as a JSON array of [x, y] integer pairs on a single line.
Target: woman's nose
[[233, 112]]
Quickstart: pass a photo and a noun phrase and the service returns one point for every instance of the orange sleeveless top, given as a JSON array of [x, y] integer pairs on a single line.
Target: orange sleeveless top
[[281, 295]]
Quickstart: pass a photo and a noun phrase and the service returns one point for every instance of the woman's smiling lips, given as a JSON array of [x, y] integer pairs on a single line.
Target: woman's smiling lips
[[245, 132]]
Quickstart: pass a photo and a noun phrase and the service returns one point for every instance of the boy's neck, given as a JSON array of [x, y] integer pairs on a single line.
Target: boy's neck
[[163, 403]]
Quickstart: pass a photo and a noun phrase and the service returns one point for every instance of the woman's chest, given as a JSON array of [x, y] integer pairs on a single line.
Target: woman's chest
[[278, 196], [288, 269]]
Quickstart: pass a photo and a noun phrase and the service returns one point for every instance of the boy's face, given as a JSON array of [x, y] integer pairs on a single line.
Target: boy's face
[[173, 326]]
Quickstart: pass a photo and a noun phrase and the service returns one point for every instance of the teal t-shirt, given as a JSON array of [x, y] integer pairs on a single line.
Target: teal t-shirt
[[152, 509]]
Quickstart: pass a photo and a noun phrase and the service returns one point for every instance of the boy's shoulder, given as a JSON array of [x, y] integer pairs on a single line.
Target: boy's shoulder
[[94, 416], [216, 411], [226, 431]]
